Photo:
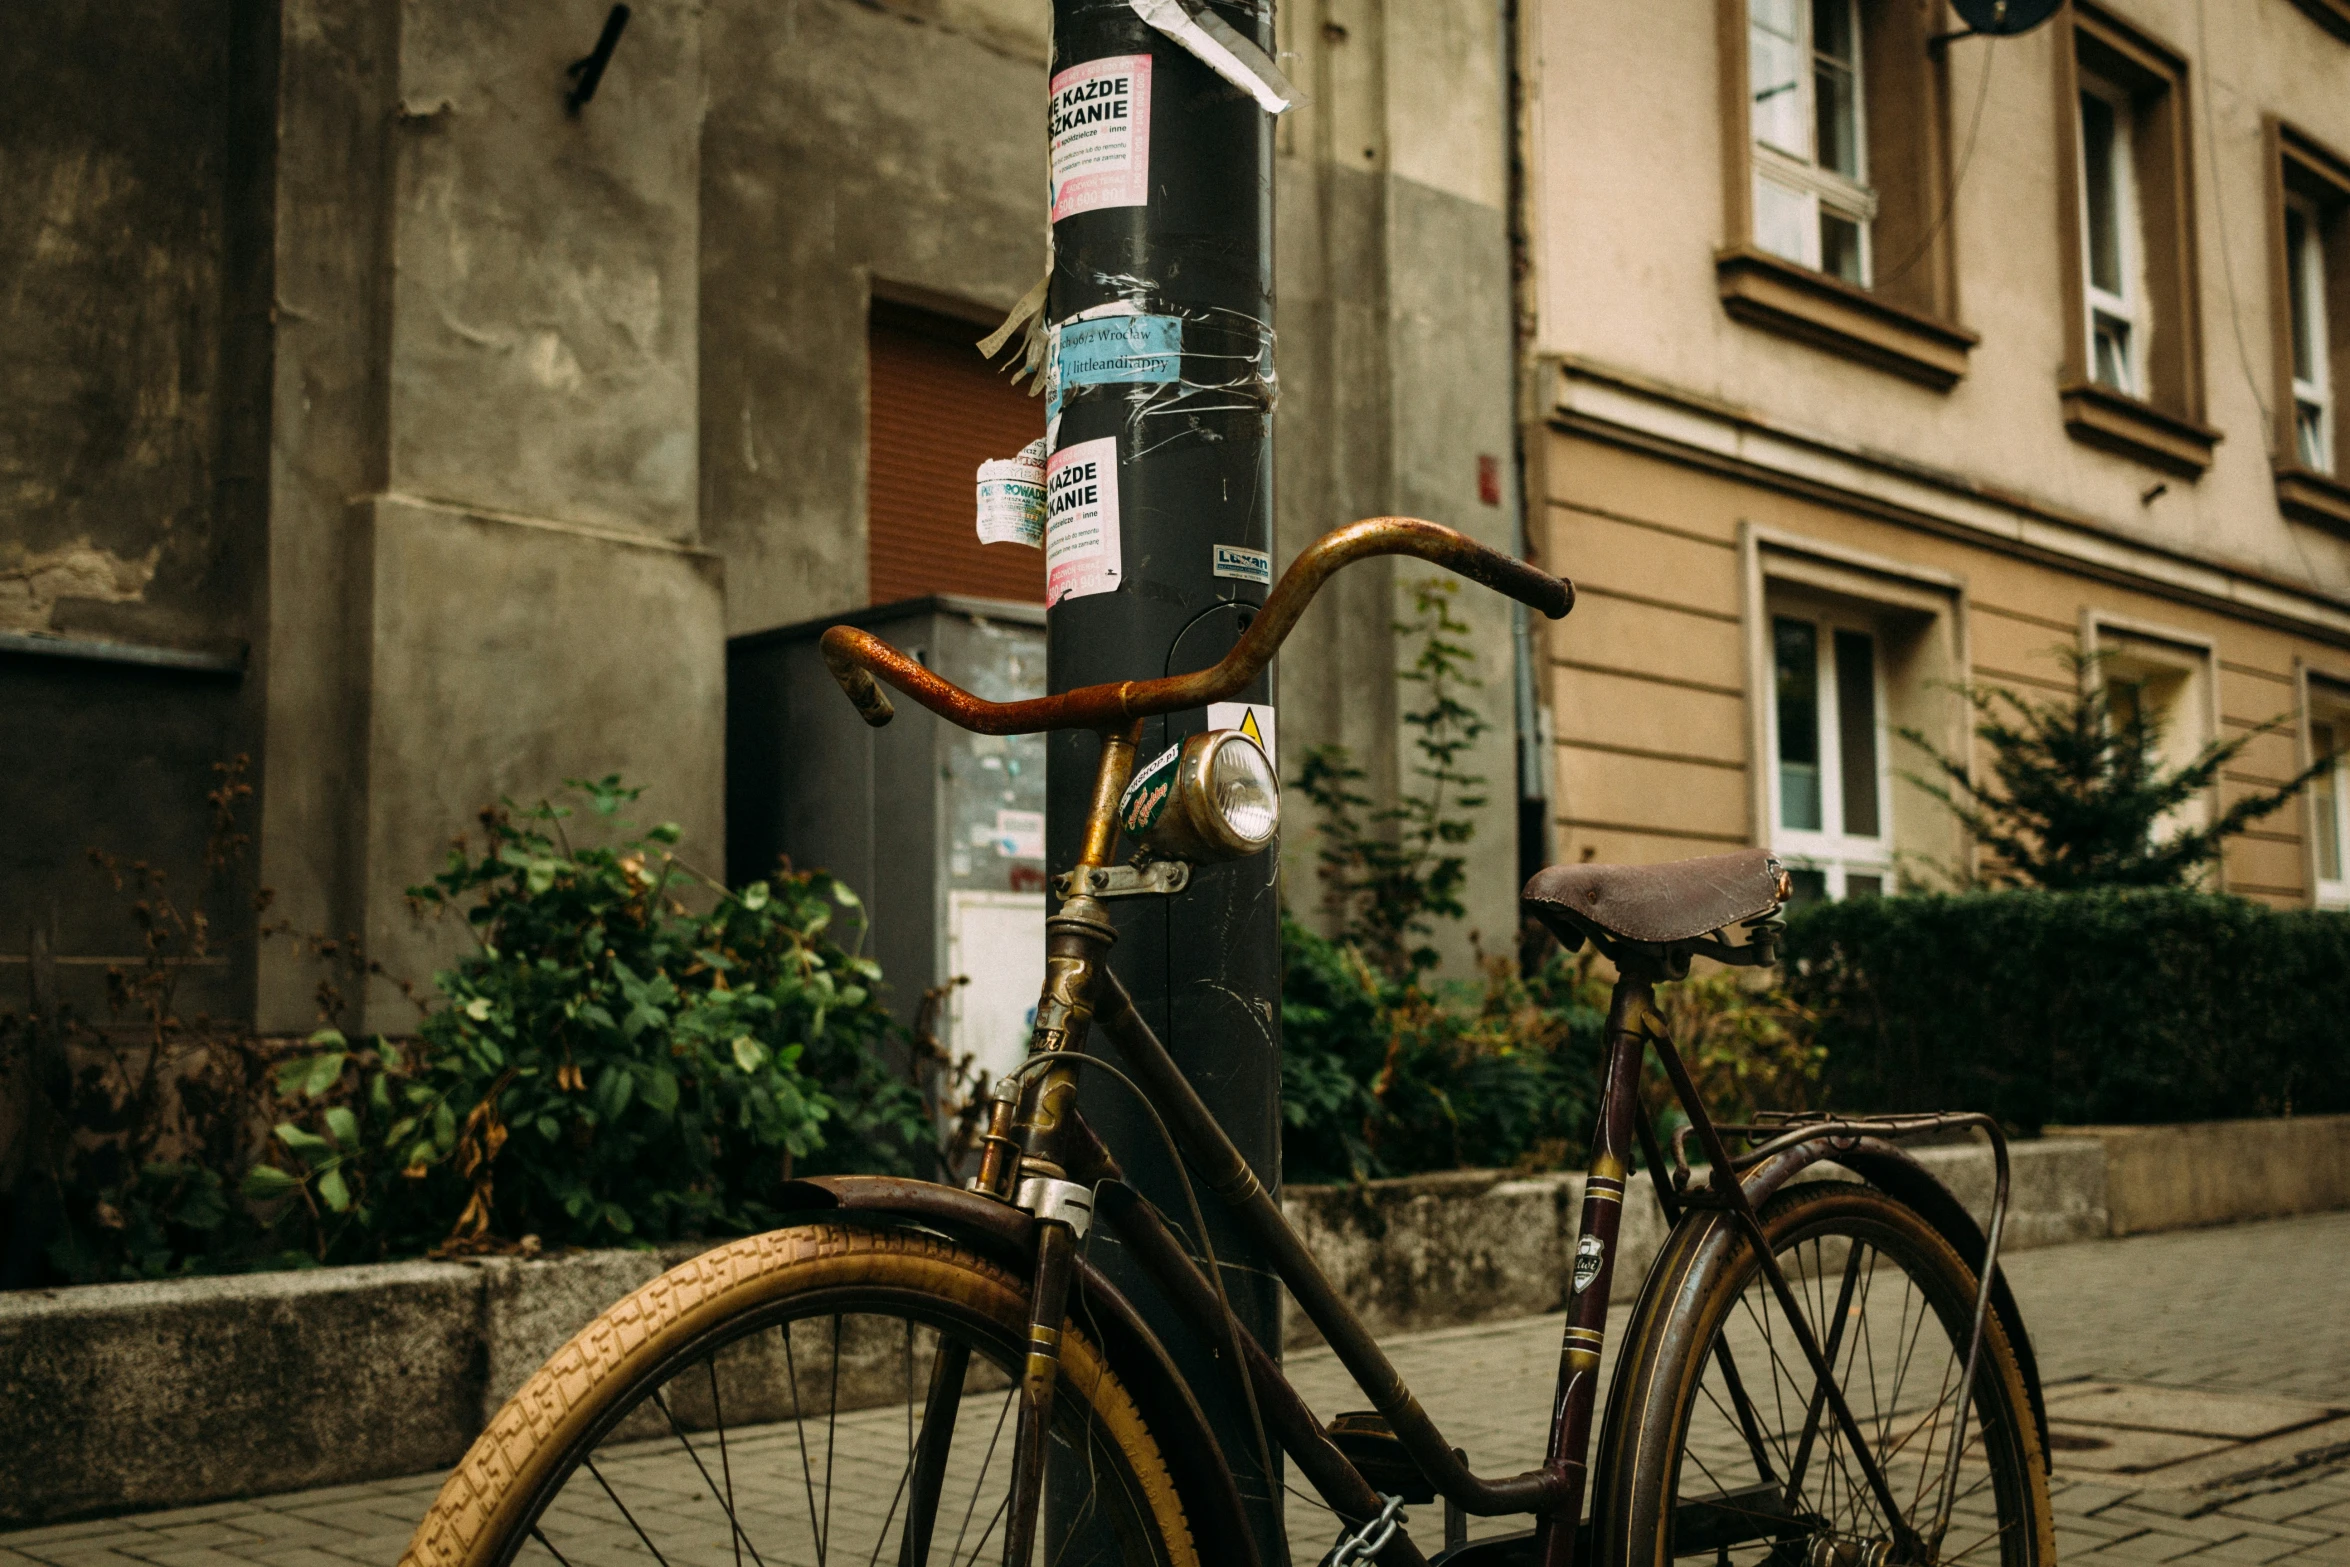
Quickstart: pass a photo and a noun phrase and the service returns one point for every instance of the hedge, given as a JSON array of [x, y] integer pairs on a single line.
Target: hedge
[[2077, 1007]]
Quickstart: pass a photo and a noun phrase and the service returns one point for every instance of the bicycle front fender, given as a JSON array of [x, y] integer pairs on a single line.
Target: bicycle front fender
[[1007, 1236], [1902, 1178]]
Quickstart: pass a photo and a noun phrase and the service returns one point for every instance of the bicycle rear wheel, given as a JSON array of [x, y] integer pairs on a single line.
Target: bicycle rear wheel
[[1721, 1443], [765, 1404]]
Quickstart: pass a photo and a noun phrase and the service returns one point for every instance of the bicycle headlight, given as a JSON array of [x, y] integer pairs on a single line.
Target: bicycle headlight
[[1213, 797]]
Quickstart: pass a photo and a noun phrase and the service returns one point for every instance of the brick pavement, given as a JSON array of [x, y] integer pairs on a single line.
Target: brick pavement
[[2258, 1309]]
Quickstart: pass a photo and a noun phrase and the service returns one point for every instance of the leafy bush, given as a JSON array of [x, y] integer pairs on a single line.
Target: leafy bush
[[2083, 1007], [607, 1065]]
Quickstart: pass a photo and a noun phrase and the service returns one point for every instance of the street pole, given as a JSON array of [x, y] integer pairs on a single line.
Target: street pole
[[1159, 536]]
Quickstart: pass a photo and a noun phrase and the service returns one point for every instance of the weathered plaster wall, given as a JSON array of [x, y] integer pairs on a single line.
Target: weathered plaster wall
[[131, 306], [848, 149], [486, 575], [1393, 306]]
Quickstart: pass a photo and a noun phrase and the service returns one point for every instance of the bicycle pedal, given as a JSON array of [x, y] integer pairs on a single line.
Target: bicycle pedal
[[1364, 1437]]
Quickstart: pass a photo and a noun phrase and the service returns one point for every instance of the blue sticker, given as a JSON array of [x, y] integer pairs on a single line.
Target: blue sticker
[[1114, 350]]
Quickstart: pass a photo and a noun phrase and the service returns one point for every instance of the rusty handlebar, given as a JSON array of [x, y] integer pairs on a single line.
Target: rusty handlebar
[[856, 657]]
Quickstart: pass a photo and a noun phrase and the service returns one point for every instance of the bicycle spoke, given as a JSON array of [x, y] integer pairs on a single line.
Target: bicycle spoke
[[979, 1486], [625, 1513], [726, 1501], [800, 1429], [539, 1535], [725, 1464]]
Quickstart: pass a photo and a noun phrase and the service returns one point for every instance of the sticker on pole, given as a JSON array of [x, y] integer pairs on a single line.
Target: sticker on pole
[[1253, 719], [1101, 130], [1011, 498], [1081, 551], [1243, 565]]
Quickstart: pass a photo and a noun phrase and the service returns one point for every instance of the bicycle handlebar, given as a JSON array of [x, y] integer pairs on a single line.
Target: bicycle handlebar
[[856, 657]]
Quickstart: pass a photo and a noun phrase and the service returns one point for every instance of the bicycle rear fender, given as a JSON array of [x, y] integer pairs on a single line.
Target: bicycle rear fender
[[1906, 1181], [1006, 1236]]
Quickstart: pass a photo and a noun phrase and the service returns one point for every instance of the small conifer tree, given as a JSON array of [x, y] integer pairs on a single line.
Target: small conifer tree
[[2078, 793]]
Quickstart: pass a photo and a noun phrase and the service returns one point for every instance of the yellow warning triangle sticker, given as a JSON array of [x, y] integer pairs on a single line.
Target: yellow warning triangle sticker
[[1248, 726]]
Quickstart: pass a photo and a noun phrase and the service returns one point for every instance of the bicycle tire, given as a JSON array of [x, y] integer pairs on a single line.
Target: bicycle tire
[[492, 1503], [1709, 1289]]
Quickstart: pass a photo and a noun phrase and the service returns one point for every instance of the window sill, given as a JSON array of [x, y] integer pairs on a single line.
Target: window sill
[[2100, 416], [1778, 296], [2306, 495], [2332, 15]]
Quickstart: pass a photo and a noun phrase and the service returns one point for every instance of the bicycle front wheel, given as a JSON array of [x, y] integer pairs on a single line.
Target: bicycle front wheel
[[1723, 1444], [809, 1396]]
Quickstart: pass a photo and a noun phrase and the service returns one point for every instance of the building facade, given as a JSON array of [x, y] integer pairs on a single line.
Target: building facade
[[1871, 361]]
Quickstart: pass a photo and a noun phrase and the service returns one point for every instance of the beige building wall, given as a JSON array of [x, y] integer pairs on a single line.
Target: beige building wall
[[1714, 436]]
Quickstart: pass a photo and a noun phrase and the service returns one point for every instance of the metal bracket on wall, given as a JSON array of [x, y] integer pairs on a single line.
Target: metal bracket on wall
[[1124, 881]]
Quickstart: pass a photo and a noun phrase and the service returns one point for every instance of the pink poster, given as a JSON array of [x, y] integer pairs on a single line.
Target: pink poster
[[1101, 129]]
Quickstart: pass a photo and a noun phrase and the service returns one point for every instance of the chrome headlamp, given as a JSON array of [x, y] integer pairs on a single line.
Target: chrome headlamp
[[1212, 797]]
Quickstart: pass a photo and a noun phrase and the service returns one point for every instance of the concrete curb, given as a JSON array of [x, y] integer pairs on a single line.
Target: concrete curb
[[119, 1397]]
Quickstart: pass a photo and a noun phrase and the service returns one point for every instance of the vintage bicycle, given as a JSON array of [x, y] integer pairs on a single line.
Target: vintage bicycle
[[1817, 1372]]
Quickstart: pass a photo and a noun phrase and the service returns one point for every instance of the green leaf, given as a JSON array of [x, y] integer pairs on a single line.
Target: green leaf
[[660, 1091], [302, 1142], [754, 897], [389, 1054], [333, 1192], [332, 1038], [749, 1054], [342, 1126], [614, 1088], [444, 1126], [618, 1218], [265, 1181], [842, 895], [478, 1008], [325, 1072], [379, 1093]]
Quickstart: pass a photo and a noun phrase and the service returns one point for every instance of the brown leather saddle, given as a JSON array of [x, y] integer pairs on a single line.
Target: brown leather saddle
[[1676, 908]]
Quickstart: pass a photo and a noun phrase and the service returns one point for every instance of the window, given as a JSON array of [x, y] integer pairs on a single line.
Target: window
[[2309, 224], [1831, 790], [2162, 677], [935, 412], [2305, 294], [1836, 162], [2133, 380], [2329, 804], [2109, 224], [1812, 203]]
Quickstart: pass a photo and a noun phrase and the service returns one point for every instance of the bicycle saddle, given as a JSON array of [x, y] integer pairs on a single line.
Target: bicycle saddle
[[1657, 905]]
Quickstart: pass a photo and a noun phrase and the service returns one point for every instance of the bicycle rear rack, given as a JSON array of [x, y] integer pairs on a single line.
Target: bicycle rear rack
[[1774, 1132]]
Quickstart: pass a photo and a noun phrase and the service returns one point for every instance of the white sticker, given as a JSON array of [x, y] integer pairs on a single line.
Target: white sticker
[[1254, 719], [1081, 521], [1101, 129], [1243, 565], [1011, 498], [1019, 835]]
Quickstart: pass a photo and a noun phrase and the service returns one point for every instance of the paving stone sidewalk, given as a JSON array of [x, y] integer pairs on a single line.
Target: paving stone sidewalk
[[2258, 1309]]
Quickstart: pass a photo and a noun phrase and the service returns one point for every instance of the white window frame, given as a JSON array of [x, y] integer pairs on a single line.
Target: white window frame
[[2127, 308], [2330, 892], [1836, 854], [1798, 171], [2305, 312]]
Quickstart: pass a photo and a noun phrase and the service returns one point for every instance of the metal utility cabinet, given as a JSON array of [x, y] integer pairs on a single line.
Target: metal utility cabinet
[[940, 832]]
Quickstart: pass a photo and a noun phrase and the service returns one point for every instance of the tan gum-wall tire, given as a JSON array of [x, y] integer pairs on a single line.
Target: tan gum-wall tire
[[491, 1501]]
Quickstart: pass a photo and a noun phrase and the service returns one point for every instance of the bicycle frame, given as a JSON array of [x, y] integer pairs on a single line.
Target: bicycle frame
[[1040, 1157]]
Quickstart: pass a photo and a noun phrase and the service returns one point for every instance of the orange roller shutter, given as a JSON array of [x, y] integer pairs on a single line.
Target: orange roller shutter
[[936, 412]]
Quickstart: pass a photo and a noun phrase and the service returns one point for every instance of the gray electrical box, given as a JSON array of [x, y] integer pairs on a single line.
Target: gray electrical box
[[940, 832]]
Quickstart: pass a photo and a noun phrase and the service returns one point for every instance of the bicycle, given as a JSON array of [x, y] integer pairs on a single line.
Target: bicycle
[[1762, 1411]]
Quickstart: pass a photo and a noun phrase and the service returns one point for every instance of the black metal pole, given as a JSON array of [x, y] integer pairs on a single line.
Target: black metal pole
[[1158, 541]]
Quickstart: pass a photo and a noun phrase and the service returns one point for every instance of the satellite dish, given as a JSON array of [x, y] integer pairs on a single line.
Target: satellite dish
[[2004, 18]]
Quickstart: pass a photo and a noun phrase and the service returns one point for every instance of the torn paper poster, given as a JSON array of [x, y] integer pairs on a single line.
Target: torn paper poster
[[1101, 130], [1081, 545], [1019, 835], [1242, 564], [1222, 49], [1011, 498], [1253, 719], [1111, 345]]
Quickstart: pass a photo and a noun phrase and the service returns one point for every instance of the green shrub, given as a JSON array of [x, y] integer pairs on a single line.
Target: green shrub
[[607, 1065], [2082, 1007]]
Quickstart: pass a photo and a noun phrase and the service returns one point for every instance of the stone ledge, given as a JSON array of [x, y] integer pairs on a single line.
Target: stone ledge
[[168, 1394]]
